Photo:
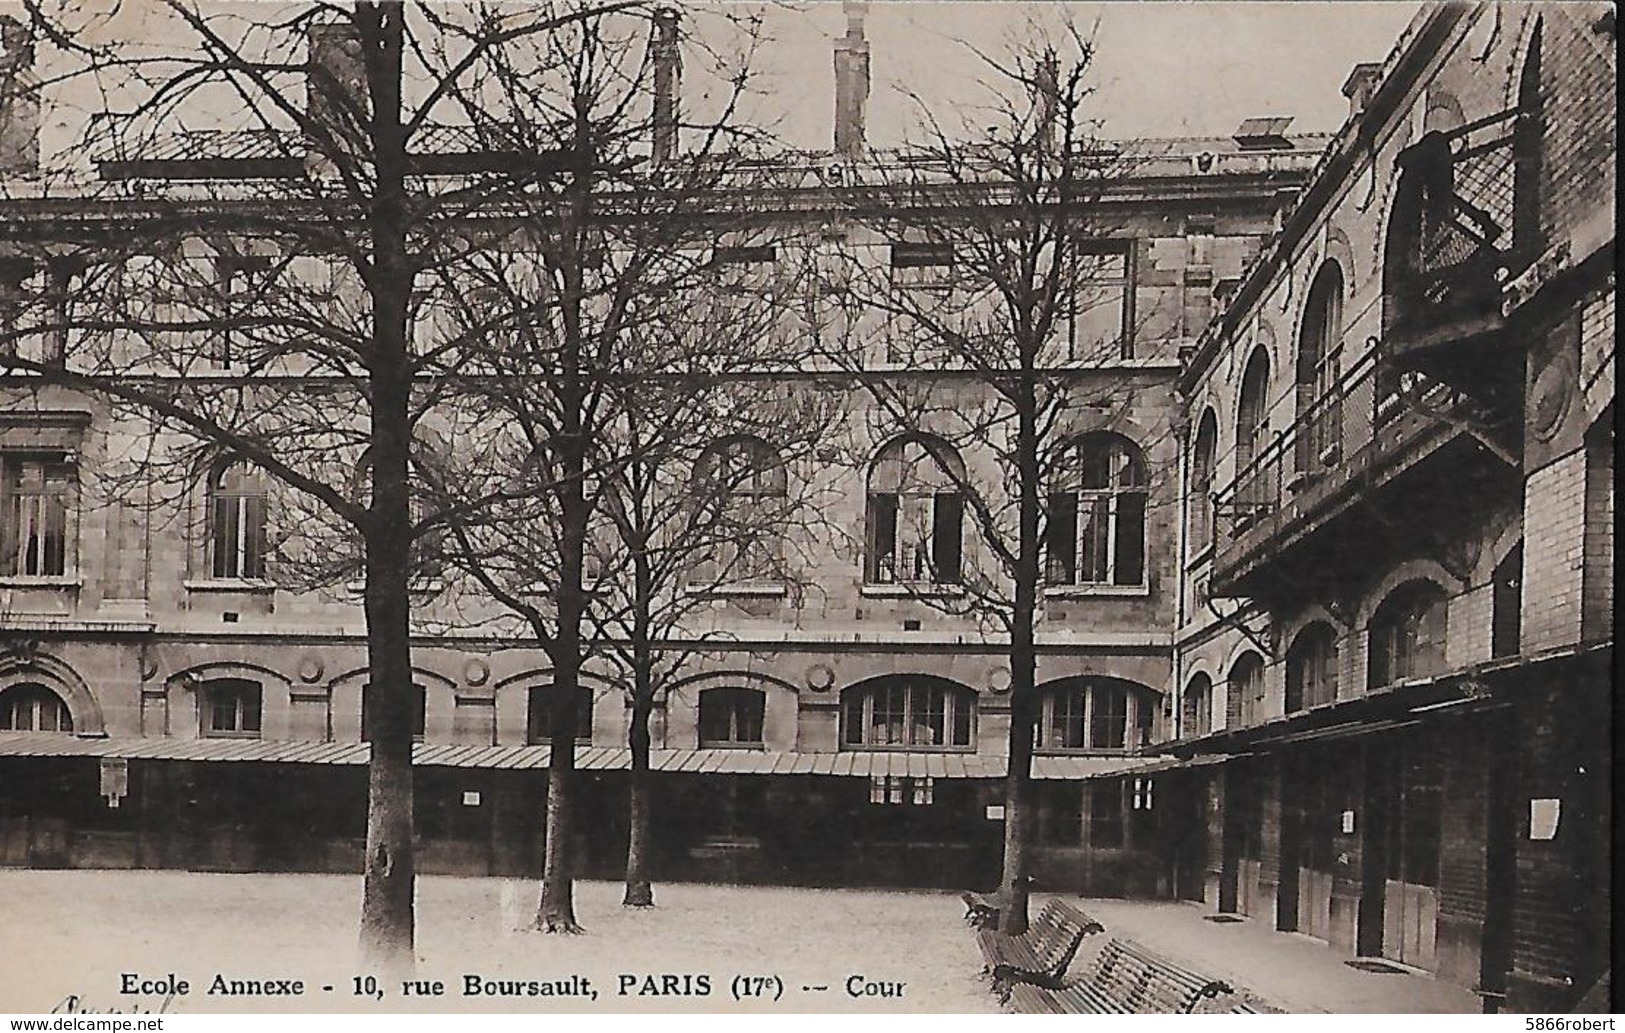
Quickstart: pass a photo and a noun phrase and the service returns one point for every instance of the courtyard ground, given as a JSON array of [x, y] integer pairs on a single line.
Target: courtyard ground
[[77, 932]]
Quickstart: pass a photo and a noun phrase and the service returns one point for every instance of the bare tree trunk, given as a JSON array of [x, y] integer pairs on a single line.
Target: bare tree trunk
[[1023, 661], [557, 912], [386, 938], [639, 891]]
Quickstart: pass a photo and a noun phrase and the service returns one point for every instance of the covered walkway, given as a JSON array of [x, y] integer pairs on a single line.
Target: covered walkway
[[1294, 972]]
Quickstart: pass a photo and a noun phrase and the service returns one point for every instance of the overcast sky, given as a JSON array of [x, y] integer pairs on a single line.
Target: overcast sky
[[1164, 69]]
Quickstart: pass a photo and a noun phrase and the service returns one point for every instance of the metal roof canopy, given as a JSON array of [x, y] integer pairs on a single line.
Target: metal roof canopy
[[719, 760]]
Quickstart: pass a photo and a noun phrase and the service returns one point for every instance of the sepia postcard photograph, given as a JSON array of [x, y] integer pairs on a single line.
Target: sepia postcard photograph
[[639, 506]]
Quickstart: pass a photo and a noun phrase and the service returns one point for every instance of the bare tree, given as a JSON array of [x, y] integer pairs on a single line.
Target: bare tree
[[578, 410], [1002, 293], [258, 290]]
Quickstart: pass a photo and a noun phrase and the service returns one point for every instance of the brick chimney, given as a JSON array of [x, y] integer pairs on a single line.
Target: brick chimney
[[668, 68], [1360, 85], [335, 79], [851, 81], [1047, 98], [19, 99]]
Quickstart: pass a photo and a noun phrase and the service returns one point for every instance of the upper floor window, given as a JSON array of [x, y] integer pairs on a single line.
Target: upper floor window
[[231, 708], [1097, 507], [1203, 453], [420, 712], [14, 276], [922, 264], [539, 726], [237, 522], [244, 282], [1198, 707], [32, 707], [917, 712], [1244, 703], [1093, 714], [1252, 423], [914, 516], [35, 493], [732, 717], [1408, 633], [1319, 347], [743, 481], [1311, 668], [1101, 322]]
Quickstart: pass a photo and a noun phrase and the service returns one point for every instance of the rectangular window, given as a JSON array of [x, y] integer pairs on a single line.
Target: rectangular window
[[243, 281], [34, 506], [947, 513], [14, 277], [1100, 326], [744, 255], [233, 709], [239, 536], [898, 790]]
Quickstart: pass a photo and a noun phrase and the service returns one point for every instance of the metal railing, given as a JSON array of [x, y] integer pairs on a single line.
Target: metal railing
[[1317, 446]]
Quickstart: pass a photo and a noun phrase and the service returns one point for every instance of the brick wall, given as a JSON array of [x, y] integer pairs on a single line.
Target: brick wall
[[1554, 541], [1578, 82], [1597, 617]]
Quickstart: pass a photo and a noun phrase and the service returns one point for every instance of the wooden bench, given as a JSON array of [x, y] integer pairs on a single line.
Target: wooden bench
[[1039, 956], [1123, 978]]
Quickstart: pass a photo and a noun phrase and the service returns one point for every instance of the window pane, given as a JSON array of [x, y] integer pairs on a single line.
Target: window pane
[[1130, 566], [1093, 539], [1109, 722], [948, 515], [882, 536], [1061, 547]]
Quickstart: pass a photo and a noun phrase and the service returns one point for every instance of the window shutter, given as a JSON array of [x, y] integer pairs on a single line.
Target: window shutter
[[1130, 568], [947, 513], [880, 535], [1062, 544]]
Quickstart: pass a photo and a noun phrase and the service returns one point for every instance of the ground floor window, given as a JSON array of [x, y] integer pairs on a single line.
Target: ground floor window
[[33, 708], [908, 712], [231, 708], [732, 717], [898, 790], [420, 712], [540, 725]]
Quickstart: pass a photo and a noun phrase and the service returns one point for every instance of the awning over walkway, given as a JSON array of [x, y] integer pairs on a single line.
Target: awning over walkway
[[845, 763]]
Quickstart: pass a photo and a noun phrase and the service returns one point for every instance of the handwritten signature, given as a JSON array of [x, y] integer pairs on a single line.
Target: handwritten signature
[[73, 1004]]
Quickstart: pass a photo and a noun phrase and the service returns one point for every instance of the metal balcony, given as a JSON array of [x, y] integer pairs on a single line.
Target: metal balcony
[[1360, 467]]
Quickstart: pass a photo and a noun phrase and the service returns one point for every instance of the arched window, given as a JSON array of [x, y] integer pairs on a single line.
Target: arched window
[[1244, 693], [921, 712], [237, 510], [1203, 454], [35, 493], [914, 515], [1407, 634], [732, 717], [1097, 502], [31, 707], [1252, 496], [742, 481], [1198, 707], [1320, 342], [539, 726], [230, 708], [420, 712], [1094, 714], [1311, 668], [1252, 426]]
